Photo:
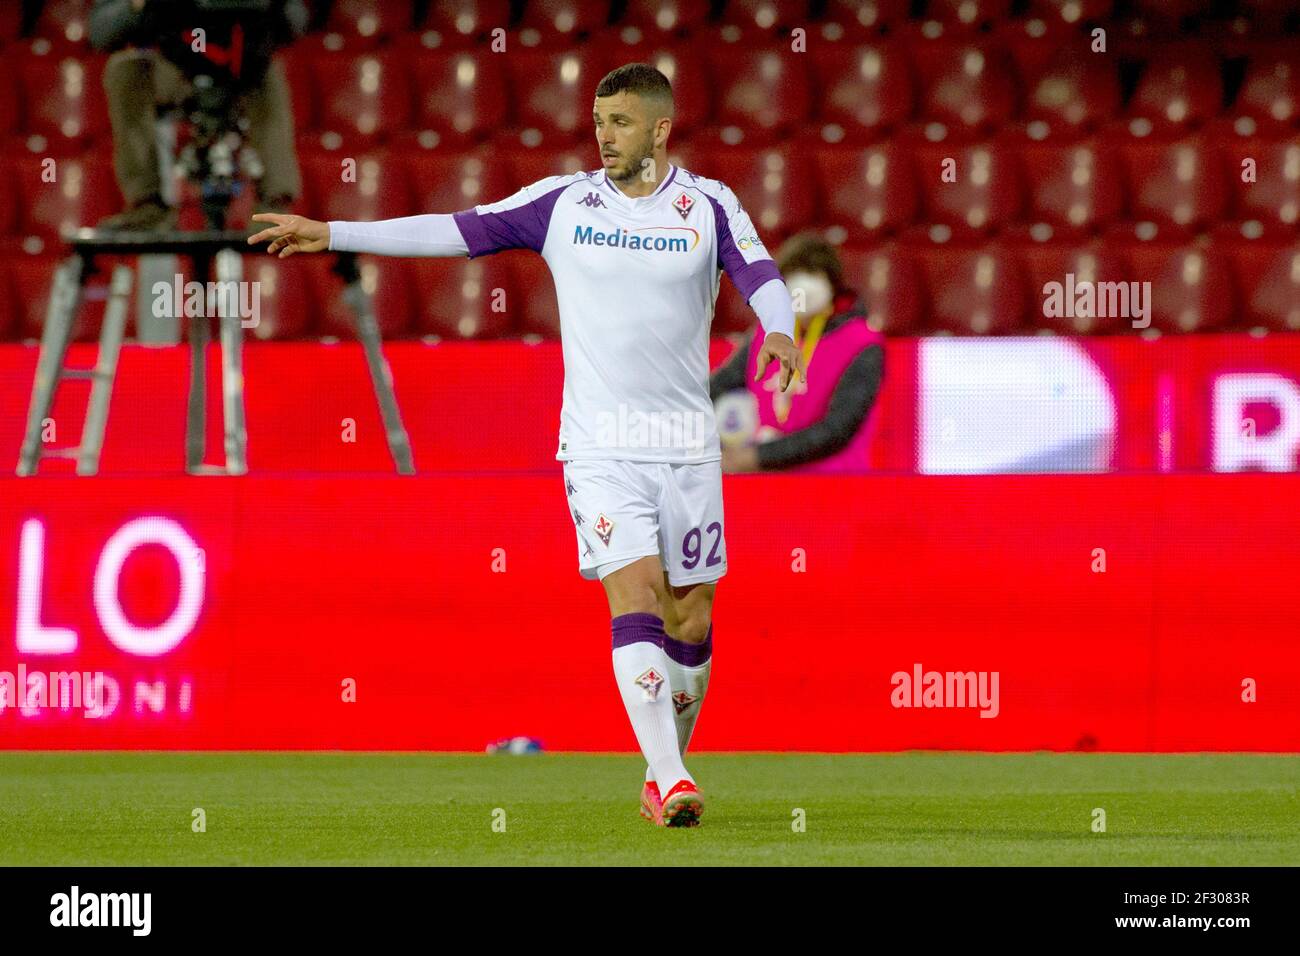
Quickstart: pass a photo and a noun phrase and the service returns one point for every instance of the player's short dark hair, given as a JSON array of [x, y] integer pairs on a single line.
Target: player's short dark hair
[[640, 78], [809, 252]]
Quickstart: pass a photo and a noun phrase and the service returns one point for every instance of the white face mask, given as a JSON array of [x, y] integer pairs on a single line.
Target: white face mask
[[813, 288]]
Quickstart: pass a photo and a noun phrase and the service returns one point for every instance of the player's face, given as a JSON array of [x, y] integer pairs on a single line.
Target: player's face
[[624, 133]]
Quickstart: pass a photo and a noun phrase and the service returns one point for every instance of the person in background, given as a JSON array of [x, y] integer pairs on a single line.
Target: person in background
[[820, 425], [141, 75]]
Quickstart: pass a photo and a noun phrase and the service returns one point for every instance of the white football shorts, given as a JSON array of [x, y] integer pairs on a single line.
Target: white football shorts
[[625, 510]]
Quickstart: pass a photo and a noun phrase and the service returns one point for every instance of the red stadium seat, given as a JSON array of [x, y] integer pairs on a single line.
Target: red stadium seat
[[1074, 93], [460, 22], [539, 312], [1073, 189], [296, 61], [363, 187], [868, 191], [1191, 287], [445, 183], [467, 298], [10, 192], [1269, 15], [64, 23], [1178, 186], [1070, 12], [888, 280], [362, 96], [365, 24], [557, 24], [553, 94], [1179, 88], [287, 302], [63, 99], [731, 313], [1271, 204], [532, 165], [9, 101], [863, 91], [1269, 99], [84, 191], [762, 94], [987, 193], [1170, 12], [765, 15], [1054, 262], [689, 75], [459, 96], [969, 87], [967, 14], [975, 291], [386, 279], [1269, 279], [854, 20], [8, 304], [11, 22], [773, 185], [665, 16]]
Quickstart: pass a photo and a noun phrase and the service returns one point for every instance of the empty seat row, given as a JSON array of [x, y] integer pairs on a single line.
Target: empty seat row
[[993, 288], [1043, 191], [751, 96], [361, 24]]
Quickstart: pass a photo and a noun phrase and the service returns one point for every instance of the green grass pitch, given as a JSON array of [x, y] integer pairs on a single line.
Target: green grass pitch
[[342, 809]]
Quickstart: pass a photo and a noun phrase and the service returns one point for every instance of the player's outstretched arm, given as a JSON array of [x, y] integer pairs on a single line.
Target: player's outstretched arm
[[434, 235], [290, 234]]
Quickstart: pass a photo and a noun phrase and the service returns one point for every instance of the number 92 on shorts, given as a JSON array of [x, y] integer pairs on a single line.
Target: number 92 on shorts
[[625, 510]]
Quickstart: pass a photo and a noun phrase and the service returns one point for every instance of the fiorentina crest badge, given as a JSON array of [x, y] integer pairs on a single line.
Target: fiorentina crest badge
[[682, 700], [683, 204], [650, 682], [603, 527]]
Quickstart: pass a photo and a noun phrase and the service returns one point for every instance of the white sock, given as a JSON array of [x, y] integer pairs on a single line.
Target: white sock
[[689, 683], [641, 669]]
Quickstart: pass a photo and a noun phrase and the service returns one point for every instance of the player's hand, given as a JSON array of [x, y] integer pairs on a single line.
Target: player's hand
[[779, 347], [291, 234]]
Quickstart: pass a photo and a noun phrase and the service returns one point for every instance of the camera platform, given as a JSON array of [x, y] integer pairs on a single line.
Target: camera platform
[[214, 253]]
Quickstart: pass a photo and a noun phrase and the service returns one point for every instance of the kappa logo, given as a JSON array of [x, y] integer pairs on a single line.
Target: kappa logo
[[578, 519], [650, 682], [591, 201], [568, 488], [683, 204], [682, 700], [604, 528]]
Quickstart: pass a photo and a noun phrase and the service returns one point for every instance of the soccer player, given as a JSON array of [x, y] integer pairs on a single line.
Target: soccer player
[[636, 249]]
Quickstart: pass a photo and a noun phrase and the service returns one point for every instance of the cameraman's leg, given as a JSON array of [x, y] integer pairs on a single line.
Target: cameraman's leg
[[135, 81], [270, 130], [129, 86]]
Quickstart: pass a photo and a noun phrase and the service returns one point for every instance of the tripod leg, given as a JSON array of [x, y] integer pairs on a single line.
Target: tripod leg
[[101, 389], [65, 297], [381, 376], [230, 271], [196, 409]]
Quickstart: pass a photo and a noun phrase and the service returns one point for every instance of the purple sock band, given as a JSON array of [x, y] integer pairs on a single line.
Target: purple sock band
[[635, 628], [689, 655]]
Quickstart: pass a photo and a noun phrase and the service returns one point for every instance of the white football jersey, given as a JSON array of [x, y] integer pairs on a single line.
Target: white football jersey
[[636, 281]]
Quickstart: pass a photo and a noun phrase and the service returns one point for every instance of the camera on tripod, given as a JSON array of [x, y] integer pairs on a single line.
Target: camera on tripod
[[223, 48]]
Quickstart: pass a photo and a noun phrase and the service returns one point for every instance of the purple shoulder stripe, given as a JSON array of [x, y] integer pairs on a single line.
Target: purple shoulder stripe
[[745, 276], [522, 227]]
